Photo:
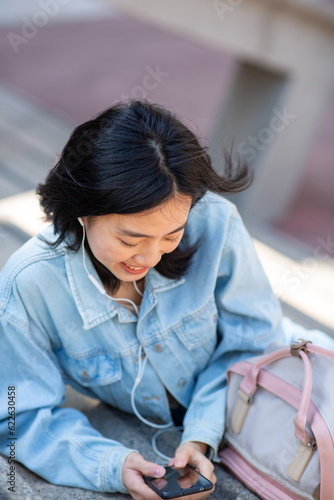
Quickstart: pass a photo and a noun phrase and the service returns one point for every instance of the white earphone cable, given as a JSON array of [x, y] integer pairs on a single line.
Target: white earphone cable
[[141, 362], [141, 368], [154, 441], [137, 289], [96, 283]]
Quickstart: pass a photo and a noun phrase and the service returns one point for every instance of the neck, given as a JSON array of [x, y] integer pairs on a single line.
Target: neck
[[127, 290]]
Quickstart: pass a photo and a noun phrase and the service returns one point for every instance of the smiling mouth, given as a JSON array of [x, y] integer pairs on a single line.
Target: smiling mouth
[[135, 268]]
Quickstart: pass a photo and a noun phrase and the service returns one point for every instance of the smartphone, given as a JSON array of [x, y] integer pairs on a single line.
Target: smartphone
[[179, 482]]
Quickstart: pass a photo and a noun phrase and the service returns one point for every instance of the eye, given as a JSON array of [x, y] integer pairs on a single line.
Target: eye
[[173, 240], [127, 244]]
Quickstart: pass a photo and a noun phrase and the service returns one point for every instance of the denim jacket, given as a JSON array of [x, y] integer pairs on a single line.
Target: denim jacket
[[56, 328]]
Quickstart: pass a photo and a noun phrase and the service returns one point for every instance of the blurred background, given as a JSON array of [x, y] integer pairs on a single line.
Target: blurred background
[[253, 74], [257, 75]]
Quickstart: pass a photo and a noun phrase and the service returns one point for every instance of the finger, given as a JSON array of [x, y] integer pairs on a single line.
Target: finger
[[146, 468], [187, 454], [182, 456], [151, 469], [141, 491], [135, 468], [206, 468]]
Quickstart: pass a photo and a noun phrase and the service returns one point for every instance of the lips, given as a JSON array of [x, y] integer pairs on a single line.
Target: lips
[[134, 269]]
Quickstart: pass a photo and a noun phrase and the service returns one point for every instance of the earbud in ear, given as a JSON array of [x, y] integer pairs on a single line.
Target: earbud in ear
[[81, 221]]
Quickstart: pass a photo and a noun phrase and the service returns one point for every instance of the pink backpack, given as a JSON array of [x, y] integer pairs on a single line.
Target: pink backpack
[[280, 423]]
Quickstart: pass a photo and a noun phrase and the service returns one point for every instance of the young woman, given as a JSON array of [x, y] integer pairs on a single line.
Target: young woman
[[142, 292]]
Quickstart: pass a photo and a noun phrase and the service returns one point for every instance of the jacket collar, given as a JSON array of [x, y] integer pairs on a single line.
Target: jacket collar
[[94, 307]]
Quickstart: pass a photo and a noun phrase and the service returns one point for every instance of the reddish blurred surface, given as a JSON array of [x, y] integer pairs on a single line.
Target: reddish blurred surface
[[77, 69]]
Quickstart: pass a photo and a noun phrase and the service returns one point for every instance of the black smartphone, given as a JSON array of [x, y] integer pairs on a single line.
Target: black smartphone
[[179, 482]]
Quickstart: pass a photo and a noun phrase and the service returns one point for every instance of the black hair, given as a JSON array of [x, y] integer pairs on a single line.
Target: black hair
[[132, 157]]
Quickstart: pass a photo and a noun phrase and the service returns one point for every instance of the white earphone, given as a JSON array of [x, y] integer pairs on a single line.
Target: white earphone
[[141, 364], [90, 276], [94, 280]]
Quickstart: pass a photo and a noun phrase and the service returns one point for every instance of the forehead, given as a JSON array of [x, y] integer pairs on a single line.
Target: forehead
[[170, 215], [164, 218]]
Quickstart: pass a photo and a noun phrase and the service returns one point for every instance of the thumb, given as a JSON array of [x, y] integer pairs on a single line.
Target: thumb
[[182, 456], [150, 469]]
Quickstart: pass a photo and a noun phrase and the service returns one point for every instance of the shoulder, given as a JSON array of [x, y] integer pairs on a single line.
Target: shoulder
[[213, 207], [26, 267], [213, 215]]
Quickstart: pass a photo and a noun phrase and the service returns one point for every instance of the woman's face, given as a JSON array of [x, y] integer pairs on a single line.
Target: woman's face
[[128, 245]]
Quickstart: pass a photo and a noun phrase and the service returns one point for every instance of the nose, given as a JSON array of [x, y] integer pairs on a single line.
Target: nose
[[150, 256]]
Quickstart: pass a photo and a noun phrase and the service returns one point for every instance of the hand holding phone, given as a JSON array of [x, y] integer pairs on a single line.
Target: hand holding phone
[[179, 482]]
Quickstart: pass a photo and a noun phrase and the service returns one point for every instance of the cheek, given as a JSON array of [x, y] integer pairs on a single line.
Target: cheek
[[110, 252], [101, 247]]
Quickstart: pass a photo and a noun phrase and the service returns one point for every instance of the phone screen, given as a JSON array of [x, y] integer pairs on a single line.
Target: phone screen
[[179, 482]]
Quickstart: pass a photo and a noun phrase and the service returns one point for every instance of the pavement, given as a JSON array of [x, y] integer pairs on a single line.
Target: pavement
[[131, 432], [86, 56]]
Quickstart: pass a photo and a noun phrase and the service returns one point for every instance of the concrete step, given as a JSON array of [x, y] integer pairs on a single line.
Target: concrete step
[[11, 238], [20, 486], [31, 139], [13, 15], [116, 425]]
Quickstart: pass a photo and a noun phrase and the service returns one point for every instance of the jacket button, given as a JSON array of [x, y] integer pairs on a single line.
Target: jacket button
[[182, 382], [158, 347], [85, 376]]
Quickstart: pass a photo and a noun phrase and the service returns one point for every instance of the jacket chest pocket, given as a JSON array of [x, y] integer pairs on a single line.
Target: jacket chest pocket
[[95, 369], [199, 329]]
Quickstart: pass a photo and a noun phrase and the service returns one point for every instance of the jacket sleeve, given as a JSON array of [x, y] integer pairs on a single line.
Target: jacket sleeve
[[249, 318], [59, 444]]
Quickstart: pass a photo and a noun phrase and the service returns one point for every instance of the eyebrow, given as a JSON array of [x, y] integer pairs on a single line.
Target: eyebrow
[[140, 235]]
